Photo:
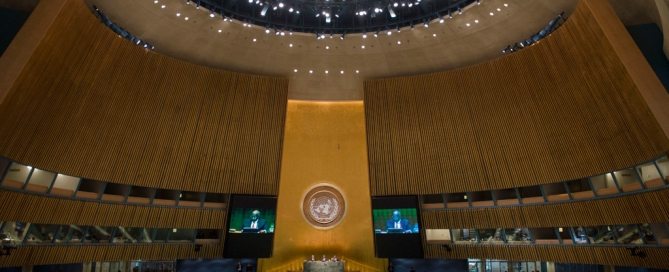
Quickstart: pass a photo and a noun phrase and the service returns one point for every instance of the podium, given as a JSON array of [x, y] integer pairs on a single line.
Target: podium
[[323, 266]]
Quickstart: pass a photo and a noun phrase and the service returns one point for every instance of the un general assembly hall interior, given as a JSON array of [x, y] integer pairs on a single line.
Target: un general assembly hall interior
[[334, 135]]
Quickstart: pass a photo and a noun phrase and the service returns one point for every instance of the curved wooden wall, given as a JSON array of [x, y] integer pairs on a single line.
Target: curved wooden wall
[[92, 104], [24, 207], [562, 109], [650, 207], [38, 255], [613, 256]]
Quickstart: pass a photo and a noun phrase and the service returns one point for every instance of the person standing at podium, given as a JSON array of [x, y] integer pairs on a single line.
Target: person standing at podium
[[398, 224], [254, 223]]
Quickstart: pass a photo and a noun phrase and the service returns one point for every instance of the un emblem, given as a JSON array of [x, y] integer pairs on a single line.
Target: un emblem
[[323, 206]]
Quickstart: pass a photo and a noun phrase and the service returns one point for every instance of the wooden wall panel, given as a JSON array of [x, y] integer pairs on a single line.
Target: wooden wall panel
[[562, 109], [651, 207], [92, 104], [38, 255], [31, 208], [613, 256]]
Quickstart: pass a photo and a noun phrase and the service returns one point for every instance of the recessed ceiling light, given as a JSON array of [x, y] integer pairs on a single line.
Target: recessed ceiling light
[[327, 72], [363, 47], [295, 70], [311, 71], [341, 72], [220, 30], [357, 71], [254, 40], [163, 6], [178, 14], [290, 45]]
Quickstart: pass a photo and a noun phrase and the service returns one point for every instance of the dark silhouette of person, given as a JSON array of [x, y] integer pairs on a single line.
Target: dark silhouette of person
[[398, 223], [255, 222]]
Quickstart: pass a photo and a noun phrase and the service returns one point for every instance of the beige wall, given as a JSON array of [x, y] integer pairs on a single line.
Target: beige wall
[[324, 143]]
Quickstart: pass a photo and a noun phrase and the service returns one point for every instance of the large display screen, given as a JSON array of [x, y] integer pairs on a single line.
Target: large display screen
[[252, 220], [251, 223], [403, 220], [397, 227]]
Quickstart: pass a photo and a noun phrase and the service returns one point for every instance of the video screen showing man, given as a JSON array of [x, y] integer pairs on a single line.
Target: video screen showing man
[[397, 224], [395, 221], [252, 220], [255, 223]]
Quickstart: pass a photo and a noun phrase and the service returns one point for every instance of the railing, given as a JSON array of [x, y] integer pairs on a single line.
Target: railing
[[645, 177], [638, 235], [17, 234], [26, 179]]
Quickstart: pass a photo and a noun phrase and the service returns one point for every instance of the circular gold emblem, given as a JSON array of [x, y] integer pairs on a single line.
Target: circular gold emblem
[[323, 206]]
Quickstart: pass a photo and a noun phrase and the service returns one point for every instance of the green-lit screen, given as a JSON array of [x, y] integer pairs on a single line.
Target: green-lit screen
[[252, 220], [395, 221]]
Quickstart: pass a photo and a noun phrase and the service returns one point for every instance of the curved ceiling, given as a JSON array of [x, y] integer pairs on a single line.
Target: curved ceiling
[[332, 68]]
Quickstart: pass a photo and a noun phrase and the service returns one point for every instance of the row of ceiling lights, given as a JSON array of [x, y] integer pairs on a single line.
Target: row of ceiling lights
[[342, 36], [327, 72]]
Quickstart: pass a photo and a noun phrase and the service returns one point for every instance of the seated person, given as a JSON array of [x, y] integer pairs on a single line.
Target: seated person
[[254, 223], [398, 224]]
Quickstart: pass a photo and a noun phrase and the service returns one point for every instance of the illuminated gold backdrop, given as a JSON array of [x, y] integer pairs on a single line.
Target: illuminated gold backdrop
[[324, 143]]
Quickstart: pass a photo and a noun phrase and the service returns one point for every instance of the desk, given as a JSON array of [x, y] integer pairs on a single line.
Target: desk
[[320, 266]]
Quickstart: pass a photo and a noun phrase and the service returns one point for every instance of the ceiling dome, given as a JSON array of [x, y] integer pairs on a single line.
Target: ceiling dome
[[331, 17]]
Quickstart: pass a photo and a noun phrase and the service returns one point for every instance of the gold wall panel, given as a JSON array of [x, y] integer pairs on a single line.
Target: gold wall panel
[[31, 208], [324, 143], [562, 109], [91, 104], [610, 256], [37, 255], [651, 207]]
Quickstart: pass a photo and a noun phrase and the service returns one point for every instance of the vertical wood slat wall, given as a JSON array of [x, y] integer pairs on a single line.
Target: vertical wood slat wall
[[651, 207], [92, 104], [38, 255], [562, 109], [23, 207], [612, 256]]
